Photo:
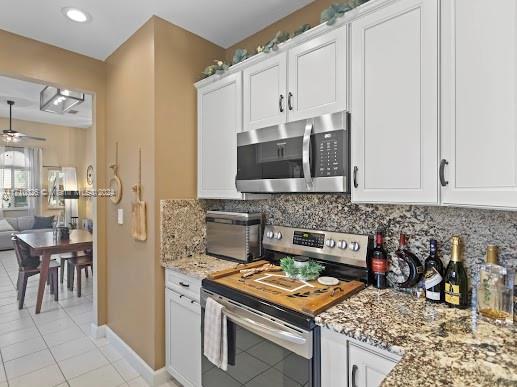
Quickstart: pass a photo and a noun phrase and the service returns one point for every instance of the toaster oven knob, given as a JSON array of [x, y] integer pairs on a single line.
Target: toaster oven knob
[[330, 243], [342, 244], [269, 234], [354, 246], [278, 235]]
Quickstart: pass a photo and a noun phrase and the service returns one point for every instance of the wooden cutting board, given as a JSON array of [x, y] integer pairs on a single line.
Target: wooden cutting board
[[138, 217], [310, 298]]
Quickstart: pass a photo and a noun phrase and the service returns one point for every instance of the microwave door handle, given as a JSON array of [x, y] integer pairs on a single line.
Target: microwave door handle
[[306, 156]]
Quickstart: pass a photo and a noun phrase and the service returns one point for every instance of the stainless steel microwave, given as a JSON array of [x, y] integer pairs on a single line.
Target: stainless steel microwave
[[303, 156]]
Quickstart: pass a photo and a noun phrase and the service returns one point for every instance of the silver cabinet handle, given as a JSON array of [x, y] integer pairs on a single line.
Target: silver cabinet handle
[[355, 177], [281, 103], [306, 154], [289, 101], [443, 182], [354, 372]]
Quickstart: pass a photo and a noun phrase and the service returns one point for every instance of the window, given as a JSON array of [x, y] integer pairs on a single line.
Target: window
[[14, 175]]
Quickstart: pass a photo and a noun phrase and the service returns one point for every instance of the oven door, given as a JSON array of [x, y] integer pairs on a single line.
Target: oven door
[[303, 156], [262, 351]]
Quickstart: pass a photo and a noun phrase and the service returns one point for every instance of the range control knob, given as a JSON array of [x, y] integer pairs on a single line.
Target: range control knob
[[269, 234], [354, 246], [342, 244], [330, 243], [278, 235]]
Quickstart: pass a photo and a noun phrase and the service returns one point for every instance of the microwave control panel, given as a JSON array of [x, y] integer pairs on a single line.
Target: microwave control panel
[[328, 152]]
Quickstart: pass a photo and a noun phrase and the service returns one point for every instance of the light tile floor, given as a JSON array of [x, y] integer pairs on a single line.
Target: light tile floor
[[54, 348]]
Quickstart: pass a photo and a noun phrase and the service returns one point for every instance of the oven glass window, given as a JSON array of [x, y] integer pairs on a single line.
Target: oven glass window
[[281, 159], [257, 362]]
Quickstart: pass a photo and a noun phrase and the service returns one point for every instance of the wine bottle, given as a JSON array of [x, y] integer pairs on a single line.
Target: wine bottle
[[379, 262], [456, 283], [434, 287]]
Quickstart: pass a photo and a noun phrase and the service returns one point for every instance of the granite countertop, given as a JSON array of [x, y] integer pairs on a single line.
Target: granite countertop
[[439, 346], [199, 265]]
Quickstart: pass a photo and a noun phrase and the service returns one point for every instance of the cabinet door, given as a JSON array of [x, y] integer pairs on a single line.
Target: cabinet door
[[318, 76], [265, 93], [334, 364], [183, 338], [219, 120], [394, 103], [479, 103], [366, 368]]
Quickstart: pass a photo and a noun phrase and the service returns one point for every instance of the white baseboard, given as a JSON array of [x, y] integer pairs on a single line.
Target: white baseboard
[[97, 332], [152, 377]]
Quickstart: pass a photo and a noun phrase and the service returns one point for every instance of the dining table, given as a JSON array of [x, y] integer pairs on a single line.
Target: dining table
[[45, 244]]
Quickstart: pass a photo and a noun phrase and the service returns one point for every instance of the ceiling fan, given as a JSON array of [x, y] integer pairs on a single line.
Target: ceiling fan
[[11, 135]]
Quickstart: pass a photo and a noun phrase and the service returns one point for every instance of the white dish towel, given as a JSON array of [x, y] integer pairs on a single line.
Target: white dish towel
[[215, 337]]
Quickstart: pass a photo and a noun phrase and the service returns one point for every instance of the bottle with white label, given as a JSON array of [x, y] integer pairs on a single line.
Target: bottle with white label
[[434, 286]]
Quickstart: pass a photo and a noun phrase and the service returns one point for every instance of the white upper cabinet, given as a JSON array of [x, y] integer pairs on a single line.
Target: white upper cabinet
[[394, 103], [317, 76], [219, 120], [265, 100], [479, 103]]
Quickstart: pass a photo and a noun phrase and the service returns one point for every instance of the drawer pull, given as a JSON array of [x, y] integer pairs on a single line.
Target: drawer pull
[[184, 284]]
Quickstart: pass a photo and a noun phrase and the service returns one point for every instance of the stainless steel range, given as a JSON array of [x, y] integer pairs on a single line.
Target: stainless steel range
[[273, 340]]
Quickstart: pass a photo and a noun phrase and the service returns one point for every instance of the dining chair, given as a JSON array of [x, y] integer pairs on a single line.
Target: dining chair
[[74, 266], [29, 265], [63, 258]]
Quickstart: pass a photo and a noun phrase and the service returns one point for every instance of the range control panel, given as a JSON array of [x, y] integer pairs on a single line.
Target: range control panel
[[350, 249], [329, 148], [311, 239]]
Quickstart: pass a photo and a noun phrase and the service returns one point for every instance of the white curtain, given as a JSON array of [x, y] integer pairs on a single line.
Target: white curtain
[[2, 187], [33, 158]]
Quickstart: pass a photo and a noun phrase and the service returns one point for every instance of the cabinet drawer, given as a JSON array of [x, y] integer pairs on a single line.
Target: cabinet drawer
[[183, 284]]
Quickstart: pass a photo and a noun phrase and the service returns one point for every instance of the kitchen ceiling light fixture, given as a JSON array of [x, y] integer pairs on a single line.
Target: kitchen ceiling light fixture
[[76, 15], [55, 100]]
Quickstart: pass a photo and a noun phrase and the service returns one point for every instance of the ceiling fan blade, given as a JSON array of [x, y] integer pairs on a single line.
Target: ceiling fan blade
[[21, 135]]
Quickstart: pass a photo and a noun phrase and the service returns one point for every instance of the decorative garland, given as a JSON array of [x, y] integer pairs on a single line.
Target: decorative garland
[[329, 16]]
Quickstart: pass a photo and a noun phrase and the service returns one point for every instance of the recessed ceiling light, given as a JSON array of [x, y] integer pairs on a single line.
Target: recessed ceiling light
[[76, 15]]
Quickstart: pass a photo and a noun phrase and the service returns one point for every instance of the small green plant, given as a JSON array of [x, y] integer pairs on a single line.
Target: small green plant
[[308, 272]]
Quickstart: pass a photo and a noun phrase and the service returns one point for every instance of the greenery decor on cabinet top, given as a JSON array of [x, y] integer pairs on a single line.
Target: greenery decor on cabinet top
[[328, 15]]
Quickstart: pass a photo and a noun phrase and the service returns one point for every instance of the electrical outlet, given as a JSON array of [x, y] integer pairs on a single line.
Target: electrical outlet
[[120, 216]]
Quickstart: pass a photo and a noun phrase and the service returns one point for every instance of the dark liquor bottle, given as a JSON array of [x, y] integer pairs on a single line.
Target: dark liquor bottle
[[456, 283], [434, 287], [379, 262], [415, 268]]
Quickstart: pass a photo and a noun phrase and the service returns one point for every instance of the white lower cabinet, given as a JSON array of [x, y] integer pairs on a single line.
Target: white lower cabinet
[[183, 338], [345, 362]]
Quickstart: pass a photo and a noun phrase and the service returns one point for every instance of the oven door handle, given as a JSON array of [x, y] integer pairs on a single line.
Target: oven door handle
[[306, 156], [279, 334]]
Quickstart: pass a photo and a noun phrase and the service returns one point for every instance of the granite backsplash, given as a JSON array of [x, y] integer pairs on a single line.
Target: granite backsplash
[[477, 227], [335, 212]]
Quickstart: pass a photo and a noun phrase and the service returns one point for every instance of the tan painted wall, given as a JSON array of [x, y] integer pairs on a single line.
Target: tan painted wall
[[35, 61], [64, 147], [131, 268], [309, 14], [152, 104]]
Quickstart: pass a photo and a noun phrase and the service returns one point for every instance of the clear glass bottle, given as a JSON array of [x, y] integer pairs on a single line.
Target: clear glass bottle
[[495, 289]]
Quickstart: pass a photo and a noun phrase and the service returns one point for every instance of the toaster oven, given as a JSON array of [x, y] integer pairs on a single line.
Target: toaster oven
[[234, 235]]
